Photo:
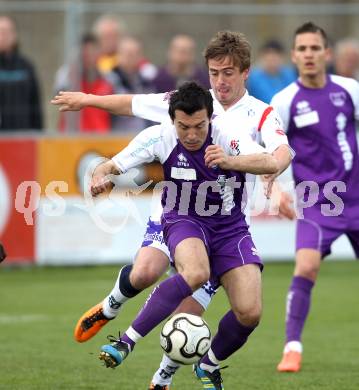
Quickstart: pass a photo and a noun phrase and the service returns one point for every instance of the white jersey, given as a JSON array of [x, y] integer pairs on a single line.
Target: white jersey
[[159, 141], [248, 115]]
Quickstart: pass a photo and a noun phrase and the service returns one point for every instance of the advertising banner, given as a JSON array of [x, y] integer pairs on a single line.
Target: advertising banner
[[18, 168]]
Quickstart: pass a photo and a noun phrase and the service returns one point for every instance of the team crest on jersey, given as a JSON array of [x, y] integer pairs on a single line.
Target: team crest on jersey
[[251, 112], [338, 98], [234, 145], [182, 160], [303, 107]]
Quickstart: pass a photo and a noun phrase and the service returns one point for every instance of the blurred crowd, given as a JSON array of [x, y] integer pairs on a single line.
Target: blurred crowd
[[110, 60]]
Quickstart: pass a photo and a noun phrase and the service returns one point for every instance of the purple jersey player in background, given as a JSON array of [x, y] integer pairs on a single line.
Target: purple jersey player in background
[[205, 229], [319, 113]]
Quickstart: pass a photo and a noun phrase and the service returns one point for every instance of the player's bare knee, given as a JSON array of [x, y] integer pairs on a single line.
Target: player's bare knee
[[142, 281], [307, 271], [146, 275], [146, 270], [250, 317], [196, 277]]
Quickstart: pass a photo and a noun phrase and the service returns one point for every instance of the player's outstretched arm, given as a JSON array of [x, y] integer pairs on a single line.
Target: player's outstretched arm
[[100, 181], [75, 101], [256, 163]]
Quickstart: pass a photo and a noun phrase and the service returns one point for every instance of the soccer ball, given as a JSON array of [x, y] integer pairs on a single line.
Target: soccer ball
[[185, 338]]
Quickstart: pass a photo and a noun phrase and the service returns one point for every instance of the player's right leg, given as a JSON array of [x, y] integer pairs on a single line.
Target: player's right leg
[[313, 243], [149, 266], [196, 304], [192, 263], [243, 288]]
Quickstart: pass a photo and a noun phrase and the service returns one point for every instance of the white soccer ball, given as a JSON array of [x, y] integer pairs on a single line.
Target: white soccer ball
[[185, 338]]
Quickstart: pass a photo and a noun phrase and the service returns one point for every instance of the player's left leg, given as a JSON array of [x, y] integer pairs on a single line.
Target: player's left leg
[[243, 287]]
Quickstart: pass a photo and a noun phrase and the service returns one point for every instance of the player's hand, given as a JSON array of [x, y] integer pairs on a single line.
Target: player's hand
[[268, 181], [100, 184], [286, 209], [215, 155], [70, 101]]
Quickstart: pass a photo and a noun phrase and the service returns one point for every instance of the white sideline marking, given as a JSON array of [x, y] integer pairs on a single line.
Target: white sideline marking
[[11, 319]]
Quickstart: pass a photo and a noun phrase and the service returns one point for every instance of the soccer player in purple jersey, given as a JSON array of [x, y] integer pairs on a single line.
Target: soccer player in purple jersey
[[319, 113], [206, 232], [228, 59]]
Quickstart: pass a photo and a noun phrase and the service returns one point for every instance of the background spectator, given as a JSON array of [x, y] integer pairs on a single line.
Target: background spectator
[[109, 32], [127, 78], [271, 74], [180, 66], [19, 91], [346, 58], [84, 74]]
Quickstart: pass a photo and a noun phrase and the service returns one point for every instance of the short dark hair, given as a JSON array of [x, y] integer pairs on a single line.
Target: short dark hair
[[272, 45], [229, 44], [190, 98], [310, 27]]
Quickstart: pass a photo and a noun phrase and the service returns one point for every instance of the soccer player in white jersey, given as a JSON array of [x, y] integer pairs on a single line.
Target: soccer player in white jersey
[[319, 113], [228, 59]]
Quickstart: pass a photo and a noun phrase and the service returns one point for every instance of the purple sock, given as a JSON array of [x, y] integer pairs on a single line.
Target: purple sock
[[161, 303], [230, 337], [127, 340], [298, 303]]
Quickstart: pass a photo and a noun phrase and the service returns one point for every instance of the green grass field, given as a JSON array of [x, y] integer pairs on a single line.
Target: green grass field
[[40, 306]]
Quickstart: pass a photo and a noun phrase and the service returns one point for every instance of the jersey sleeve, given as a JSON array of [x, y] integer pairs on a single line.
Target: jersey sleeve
[[153, 107], [272, 132], [142, 149], [282, 110], [352, 88], [354, 93]]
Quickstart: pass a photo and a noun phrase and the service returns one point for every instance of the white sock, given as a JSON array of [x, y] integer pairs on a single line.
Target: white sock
[[163, 376], [213, 360], [295, 346], [113, 302], [133, 335]]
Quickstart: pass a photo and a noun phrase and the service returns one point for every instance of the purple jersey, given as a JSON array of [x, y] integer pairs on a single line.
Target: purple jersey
[[200, 191], [320, 125], [191, 188]]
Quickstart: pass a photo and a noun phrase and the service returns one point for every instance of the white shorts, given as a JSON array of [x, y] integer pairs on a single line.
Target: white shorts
[[154, 238]]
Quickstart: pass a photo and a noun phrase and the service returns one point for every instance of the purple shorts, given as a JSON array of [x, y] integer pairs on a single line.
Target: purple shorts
[[311, 235], [226, 250]]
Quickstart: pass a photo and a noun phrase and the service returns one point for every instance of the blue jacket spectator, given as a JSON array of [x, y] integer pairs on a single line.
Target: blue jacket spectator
[[271, 74]]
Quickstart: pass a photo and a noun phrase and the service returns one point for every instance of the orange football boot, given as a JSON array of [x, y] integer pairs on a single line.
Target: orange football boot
[[291, 362], [90, 323]]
